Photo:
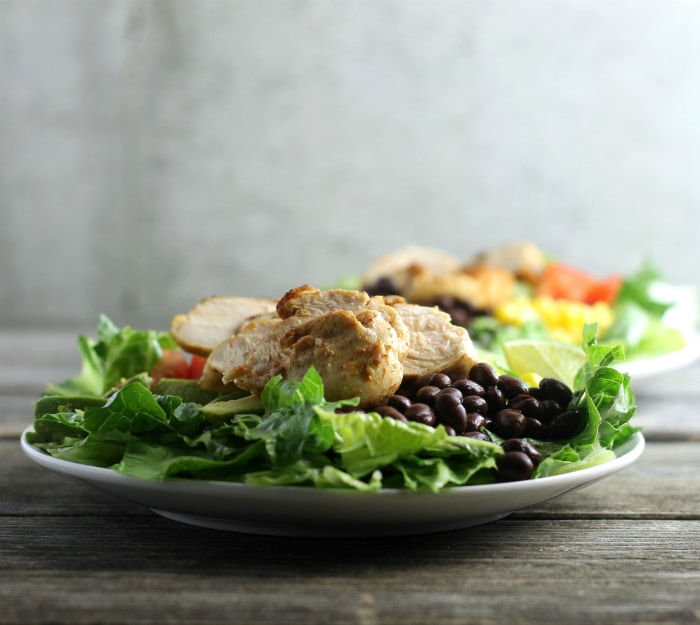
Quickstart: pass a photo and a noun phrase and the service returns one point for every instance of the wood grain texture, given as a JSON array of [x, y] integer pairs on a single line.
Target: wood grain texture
[[151, 570], [624, 550]]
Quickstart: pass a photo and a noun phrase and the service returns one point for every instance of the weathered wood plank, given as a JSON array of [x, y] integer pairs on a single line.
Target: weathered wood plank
[[84, 570]]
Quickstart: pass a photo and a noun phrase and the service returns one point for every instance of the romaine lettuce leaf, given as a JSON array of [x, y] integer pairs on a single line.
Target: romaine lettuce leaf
[[291, 434], [118, 354], [603, 395]]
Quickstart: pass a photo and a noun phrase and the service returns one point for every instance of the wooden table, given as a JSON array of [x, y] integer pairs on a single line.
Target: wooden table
[[624, 550]]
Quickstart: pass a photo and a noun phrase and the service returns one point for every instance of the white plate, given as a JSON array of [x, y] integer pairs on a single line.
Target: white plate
[[647, 367], [299, 511]]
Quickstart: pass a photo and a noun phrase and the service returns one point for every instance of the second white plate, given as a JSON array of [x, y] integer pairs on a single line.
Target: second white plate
[[647, 367]]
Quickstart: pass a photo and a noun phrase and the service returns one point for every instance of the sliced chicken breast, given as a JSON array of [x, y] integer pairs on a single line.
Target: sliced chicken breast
[[234, 350], [436, 344], [213, 320], [356, 355]]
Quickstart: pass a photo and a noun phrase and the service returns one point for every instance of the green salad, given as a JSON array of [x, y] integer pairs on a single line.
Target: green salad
[[114, 414], [519, 291]]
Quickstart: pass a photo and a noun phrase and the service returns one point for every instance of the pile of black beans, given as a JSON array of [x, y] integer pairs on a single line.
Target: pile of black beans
[[485, 402]]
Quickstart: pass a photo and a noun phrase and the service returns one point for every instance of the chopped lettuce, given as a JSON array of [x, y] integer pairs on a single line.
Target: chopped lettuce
[[117, 354], [109, 416], [652, 317], [603, 395]]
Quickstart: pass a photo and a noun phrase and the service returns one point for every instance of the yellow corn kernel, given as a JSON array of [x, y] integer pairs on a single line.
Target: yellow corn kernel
[[563, 319]]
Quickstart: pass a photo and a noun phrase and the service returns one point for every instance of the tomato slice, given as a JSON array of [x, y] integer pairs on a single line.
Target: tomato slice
[[605, 290], [196, 367], [173, 364], [561, 281]]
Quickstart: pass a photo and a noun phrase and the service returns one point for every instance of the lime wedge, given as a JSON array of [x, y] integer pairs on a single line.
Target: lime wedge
[[532, 360]]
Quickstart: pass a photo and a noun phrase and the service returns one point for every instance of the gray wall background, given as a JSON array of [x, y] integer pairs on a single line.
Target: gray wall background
[[154, 152]]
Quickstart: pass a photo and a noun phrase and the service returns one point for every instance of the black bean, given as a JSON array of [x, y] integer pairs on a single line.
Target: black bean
[[450, 430], [421, 413], [456, 416], [475, 422], [484, 374], [550, 409], [460, 317], [430, 379], [511, 386], [426, 394], [509, 423], [514, 466], [536, 392], [565, 425], [534, 428], [556, 390], [383, 286], [405, 391], [390, 411], [400, 402], [475, 403], [441, 380], [446, 398], [521, 444], [495, 398], [528, 405], [469, 387]]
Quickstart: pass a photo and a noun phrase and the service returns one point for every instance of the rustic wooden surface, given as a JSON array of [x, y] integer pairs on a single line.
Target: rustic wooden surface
[[624, 550]]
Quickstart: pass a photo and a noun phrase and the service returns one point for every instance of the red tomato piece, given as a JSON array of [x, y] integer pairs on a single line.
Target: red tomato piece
[[561, 281], [605, 290], [196, 367], [172, 365]]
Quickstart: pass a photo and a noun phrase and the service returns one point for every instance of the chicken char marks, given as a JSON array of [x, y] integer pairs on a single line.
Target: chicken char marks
[[361, 346]]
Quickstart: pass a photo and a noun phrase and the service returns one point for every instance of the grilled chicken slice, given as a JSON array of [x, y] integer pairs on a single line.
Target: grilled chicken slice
[[306, 301], [482, 286], [525, 260], [436, 344], [356, 354], [257, 355], [361, 346], [404, 265], [213, 320], [233, 350], [354, 341]]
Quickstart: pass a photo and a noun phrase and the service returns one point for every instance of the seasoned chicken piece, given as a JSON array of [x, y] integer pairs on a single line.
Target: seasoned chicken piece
[[423, 276], [356, 355], [306, 301], [251, 369], [213, 320], [483, 287], [234, 349], [356, 343], [436, 344], [525, 260], [402, 266]]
